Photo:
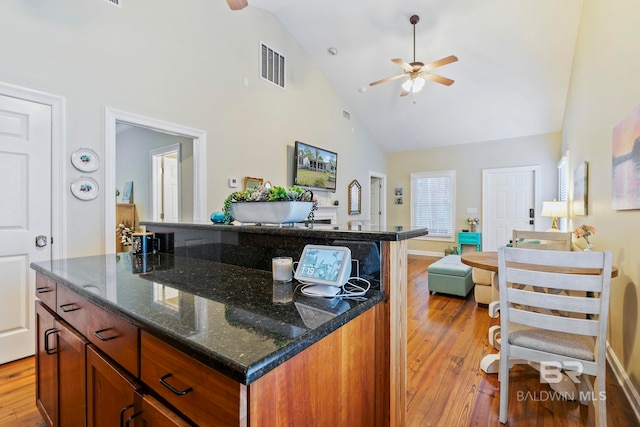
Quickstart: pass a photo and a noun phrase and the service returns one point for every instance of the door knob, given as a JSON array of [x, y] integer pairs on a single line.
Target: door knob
[[41, 241]]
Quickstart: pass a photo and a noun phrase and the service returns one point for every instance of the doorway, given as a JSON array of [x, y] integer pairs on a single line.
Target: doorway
[[377, 199], [509, 198], [166, 183], [197, 196]]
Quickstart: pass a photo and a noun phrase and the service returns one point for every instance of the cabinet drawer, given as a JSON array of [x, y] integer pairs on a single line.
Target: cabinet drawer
[[72, 308], [46, 290], [207, 397], [116, 337]]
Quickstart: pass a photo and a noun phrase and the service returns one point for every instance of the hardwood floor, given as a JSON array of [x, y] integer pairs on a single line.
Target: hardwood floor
[[18, 394], [447, 338]]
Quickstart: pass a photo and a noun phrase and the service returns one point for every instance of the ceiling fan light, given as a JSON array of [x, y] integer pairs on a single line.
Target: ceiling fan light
[[418, 83], [408, 85]]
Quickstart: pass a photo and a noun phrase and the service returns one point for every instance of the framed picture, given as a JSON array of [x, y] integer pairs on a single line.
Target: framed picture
[[580, 189], [625, 162], [398, 191], [127, 194], [252, 182]]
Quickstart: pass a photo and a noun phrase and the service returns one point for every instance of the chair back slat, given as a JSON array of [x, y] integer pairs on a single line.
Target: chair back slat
[[573, 282], [549, 240], [574, 304], [568, 325]]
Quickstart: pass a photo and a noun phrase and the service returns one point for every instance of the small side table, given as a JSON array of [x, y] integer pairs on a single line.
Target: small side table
[[469, 238]]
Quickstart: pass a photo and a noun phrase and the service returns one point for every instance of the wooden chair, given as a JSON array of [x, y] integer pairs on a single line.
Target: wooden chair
[[549, 240], [573, 341]]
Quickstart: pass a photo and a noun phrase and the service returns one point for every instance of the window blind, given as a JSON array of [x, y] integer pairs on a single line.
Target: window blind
[[563, 188], [433, 202]]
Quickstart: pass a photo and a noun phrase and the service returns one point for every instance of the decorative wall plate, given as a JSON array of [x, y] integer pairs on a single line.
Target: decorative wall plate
[[85, 188], [85, 159]]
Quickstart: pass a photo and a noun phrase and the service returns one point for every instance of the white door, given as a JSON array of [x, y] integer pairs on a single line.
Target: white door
[[375, 208], [25, 214], [170, 191], [509, 195]]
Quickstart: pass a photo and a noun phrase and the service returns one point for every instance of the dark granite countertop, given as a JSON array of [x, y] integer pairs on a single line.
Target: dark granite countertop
[[226, 316], [325, 231]]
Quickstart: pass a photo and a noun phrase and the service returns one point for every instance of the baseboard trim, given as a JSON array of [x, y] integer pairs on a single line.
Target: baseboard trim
[[424, 253], [623, 379]]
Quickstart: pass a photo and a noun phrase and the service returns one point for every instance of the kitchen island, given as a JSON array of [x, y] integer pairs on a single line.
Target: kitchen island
[[210, 314]]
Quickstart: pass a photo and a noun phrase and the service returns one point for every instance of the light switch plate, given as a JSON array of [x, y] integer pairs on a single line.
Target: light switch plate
[[233, 182]]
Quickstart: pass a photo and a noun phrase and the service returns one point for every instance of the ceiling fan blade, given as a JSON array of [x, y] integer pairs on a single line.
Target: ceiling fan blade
[[387, 79], [440, 62], [237, 4], [402, 63], [438, 79], [404, 92]]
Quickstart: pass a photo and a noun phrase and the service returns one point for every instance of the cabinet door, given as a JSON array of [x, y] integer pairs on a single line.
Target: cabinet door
[[46, 365], [110, 392], [152, 413], [72, 392]]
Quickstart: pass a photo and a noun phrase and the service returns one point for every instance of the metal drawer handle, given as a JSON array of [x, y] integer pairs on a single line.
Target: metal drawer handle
[[43, 290], [122, 411], [173, 390], [97, 334], [67, 310], [131, 418], [47, 334]]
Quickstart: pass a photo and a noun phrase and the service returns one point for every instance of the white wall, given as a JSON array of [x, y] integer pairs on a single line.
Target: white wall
[[182, 62], [604, 89]]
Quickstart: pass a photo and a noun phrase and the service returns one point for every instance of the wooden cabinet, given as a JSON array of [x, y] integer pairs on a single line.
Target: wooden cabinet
[[46, 366], [96, 381], [114, 336], [202, 394], [116, 399], [60, 364], [125, 214], [110, 392]]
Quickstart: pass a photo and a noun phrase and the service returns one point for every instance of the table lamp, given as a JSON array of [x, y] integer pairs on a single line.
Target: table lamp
[[554, 210]]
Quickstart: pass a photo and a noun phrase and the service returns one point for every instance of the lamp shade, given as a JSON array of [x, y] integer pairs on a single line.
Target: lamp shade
[[554, 209], [413, 85]]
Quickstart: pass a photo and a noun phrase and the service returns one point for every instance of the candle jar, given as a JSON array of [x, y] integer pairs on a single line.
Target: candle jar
[[282, 269]]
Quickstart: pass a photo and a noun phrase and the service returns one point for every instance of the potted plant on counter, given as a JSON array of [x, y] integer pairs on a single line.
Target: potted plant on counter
[[273, 205]]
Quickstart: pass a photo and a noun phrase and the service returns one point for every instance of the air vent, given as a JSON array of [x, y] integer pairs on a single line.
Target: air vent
[[114, 2], [346, 114], [271, 65]]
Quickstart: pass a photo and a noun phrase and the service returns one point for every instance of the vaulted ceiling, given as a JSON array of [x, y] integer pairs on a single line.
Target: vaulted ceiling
[[511, 80]]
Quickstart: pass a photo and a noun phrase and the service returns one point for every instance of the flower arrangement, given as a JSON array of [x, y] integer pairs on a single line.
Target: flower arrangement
[[584, 231], [126, 233], [473, 221], [271, 194]]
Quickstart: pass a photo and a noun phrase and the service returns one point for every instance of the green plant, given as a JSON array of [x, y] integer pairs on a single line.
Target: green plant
[[262, 194]]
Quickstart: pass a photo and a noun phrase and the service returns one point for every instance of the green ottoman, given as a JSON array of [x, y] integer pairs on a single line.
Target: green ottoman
[[450, 276]]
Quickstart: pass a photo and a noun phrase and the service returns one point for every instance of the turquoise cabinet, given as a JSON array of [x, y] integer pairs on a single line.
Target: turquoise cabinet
[[469, 238]]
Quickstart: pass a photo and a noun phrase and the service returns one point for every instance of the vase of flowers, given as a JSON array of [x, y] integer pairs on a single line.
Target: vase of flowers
[[473, 222], [584, 231]]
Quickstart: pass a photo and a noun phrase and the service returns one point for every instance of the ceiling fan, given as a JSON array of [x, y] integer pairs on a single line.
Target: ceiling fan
[[418, 72], [237, 4]]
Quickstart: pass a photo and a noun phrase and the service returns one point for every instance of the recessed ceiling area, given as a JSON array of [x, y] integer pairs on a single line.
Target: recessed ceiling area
[[511, 79]]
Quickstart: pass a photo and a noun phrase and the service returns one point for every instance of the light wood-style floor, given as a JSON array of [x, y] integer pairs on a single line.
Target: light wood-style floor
[[447, 338]]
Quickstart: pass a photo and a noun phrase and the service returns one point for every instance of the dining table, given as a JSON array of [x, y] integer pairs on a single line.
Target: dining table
[[488, 260]]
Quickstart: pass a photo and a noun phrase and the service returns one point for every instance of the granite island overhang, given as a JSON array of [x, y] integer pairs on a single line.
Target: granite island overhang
[[222, 315]]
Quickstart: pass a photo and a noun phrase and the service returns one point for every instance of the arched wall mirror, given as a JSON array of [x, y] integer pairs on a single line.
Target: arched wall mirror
[[355, 196]]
